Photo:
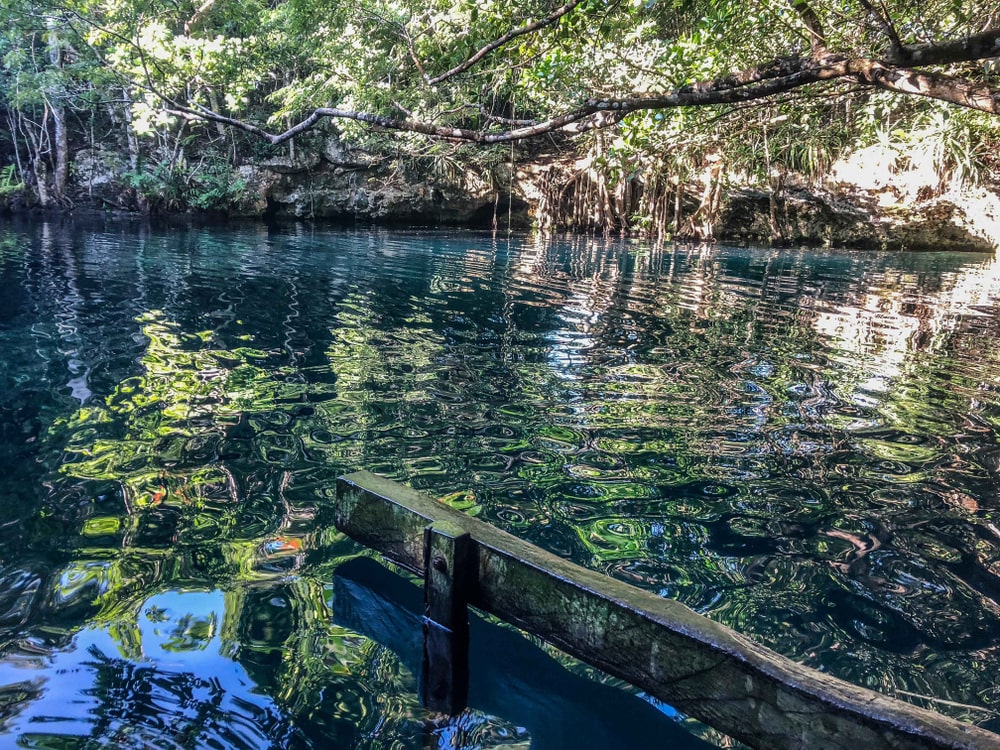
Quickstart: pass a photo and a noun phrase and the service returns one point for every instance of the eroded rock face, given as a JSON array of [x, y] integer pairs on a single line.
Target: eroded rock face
[[352, 195], [867, 203], [347, 184], [93, 167], [97, 173], [853, 217], [872, 200]]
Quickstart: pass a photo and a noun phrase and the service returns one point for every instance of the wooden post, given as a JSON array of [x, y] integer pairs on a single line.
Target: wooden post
[[449, 566]]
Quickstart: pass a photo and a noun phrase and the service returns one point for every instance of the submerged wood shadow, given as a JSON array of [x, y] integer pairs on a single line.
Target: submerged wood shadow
[[701, 667], [510, 677]]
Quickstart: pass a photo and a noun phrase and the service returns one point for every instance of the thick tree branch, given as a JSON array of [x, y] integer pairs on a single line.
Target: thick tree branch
[[924, 83], [200, 12], [499, 42], [976, 47], [596, 113], [813, 25], [885, 26], [775, 77]]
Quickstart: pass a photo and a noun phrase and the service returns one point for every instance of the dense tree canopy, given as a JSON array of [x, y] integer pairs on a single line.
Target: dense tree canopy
[[781, 82], [458, 70]]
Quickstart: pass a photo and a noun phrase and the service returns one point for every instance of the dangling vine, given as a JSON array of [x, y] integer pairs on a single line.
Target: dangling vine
[[656, 197]]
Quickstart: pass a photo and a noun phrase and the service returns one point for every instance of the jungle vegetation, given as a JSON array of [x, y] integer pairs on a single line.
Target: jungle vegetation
[[646, 93]]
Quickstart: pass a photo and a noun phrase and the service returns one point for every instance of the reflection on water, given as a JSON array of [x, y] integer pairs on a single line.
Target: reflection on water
[[166, 682], [187, 670], [801, 444]]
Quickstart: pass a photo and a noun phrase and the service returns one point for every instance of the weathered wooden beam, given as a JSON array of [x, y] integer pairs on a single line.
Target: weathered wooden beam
[[448, 567], [697, 665]]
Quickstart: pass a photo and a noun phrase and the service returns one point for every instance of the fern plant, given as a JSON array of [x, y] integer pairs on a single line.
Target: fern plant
[[8, 181]]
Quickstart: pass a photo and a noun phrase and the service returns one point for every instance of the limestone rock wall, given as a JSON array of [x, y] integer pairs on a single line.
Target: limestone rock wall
[[854, 217], [859, 207], [344, 184]]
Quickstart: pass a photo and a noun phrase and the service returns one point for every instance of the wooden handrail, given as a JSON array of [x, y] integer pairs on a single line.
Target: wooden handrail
[[699, 666]]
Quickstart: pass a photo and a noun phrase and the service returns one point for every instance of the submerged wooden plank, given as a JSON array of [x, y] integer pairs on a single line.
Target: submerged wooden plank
[[697, 665]]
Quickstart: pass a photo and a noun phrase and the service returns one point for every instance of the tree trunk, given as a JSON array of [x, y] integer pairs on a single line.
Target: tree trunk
[[41, 172], [60, 173], [130, 137]]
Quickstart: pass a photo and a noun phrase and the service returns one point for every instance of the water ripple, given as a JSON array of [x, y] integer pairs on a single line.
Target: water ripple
[[800, 444]]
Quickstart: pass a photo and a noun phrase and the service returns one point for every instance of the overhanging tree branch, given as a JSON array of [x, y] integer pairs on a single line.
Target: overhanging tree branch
[[775, 77], [817, 37], [593, 115], [980, 46], [499, 42], [929, 84], [881, 20]]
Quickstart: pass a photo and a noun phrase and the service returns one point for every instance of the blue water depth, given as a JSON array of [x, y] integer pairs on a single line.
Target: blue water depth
[[800, 444]]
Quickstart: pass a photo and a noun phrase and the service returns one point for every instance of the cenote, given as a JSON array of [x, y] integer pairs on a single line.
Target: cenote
[[801, 444]]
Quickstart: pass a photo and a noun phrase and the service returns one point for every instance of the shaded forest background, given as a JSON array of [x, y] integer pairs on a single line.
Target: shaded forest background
[[595, 115]]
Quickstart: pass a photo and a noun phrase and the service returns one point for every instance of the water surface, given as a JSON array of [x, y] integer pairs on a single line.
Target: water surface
[[800, 444]]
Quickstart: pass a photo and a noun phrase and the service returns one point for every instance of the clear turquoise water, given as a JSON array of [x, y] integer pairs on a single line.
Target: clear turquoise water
[[800, 444]]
